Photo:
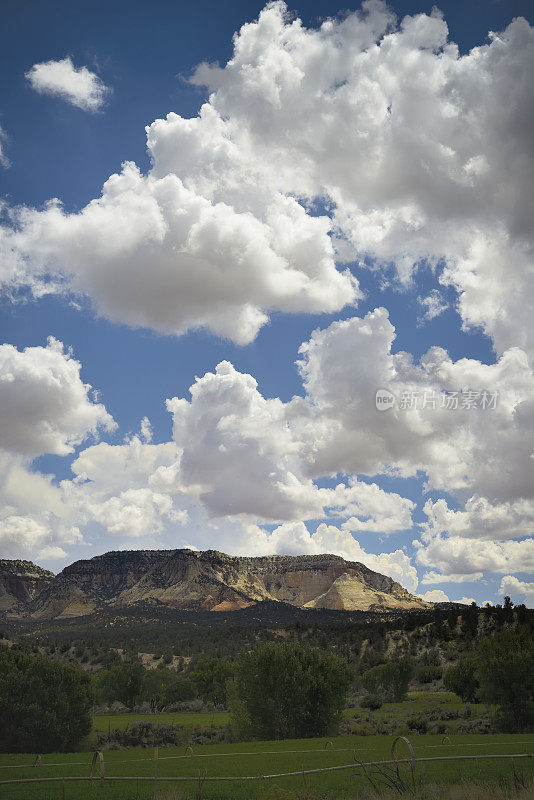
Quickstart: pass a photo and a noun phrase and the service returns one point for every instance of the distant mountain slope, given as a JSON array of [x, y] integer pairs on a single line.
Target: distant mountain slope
[[213, 581], [20, 582]]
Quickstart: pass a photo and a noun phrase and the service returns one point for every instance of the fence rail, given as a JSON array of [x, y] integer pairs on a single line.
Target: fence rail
[[190, 754], [354, 765]]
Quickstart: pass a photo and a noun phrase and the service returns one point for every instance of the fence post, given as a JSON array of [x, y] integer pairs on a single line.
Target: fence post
[[200, 782], [155, 773], [304, 782], [63, 789]]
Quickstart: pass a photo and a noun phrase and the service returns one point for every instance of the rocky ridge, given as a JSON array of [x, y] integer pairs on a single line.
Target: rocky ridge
[[214, 581], [199, 581], [20, 583]]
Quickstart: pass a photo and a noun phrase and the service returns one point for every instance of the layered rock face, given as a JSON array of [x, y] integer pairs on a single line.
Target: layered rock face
[[213, 581], [20, 582]]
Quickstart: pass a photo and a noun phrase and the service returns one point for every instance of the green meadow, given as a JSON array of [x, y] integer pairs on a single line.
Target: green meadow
[[103, 723], [416, 702], [256, 759]]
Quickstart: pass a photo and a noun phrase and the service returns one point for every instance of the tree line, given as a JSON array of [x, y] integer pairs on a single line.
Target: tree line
[[272, 689]]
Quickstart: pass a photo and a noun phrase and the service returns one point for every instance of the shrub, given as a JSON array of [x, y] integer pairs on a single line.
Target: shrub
[[390, 680], [44, 705], [481, 725], [371, 701], [118, 708], [149, 734], [418, 723], [285, 690], [506, 675], [426, 673], [462, 679], [110, 659]]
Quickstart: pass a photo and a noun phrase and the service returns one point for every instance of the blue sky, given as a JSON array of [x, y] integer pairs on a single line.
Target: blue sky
[[56, 149]]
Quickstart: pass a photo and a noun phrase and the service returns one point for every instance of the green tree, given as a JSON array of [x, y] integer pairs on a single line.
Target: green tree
[[45, 706], [123, 683], [163, 687], [508, 609], [285, 690], [389, 681], [506, 675], [209, 675], [462, 679]]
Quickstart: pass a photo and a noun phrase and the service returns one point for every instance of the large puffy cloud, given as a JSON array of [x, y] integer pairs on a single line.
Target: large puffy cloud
[[418, 154], [455, 556], [77, 85], [368, 507], [36, 521], [239, 454], [481, 537], [424, 154], [479, 519], [152, 252], [243, 455], [46, 408], [481, 454], [134, 512], [468, 450], [26, 536], [120, 489], [125, 488]]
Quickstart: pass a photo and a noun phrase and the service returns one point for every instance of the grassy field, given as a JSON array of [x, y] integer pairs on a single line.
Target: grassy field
[[102, 723], [422, 701], [264, 758]]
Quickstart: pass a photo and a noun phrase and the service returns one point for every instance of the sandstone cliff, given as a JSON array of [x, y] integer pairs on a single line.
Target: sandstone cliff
[[213, 581], [20, 582]]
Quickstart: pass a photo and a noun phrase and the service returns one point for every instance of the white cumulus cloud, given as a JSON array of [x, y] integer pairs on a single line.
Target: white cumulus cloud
[[435, 596], [46, 408], [77, 85], [512, 586], [422, 156]]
